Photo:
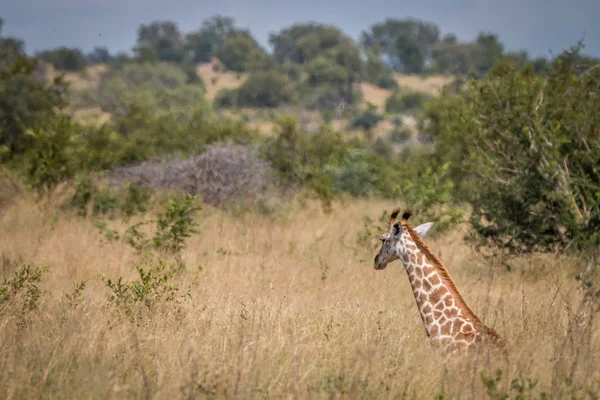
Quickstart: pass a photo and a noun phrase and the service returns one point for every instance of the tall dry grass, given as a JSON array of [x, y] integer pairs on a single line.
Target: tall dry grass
[[280, 306]]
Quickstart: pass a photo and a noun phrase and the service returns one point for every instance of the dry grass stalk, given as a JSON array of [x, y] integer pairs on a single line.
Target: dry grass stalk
[[286, 306]]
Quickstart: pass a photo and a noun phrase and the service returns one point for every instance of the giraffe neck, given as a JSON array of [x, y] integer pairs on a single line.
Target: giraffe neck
[[447, 321]]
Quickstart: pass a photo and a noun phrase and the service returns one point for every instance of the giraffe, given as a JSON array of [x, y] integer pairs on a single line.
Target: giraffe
[[449, 322]]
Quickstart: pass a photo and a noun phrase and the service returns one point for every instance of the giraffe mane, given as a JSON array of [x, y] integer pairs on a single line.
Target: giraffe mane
[[447, 279]]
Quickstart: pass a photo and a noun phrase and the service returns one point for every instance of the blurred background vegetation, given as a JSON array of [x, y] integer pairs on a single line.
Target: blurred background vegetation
[[453, 130]]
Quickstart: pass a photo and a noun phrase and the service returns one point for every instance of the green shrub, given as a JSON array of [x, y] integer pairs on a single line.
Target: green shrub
[[265, 89], [49, 160], [89, 199], [152, 288], [326, 164], [193, 78], [64, 59], [26, 279], [26, 102], [297, 158], [328, 97], [226, 98], [366, 119], [400, 135], [356, 175], [525, 150], [399, 101], [100, 148], [163, 87], [239, 52], [85, 191], [427, 189], [378, 73], [106, 203], [173, 227], [387, 81], [136, 201]]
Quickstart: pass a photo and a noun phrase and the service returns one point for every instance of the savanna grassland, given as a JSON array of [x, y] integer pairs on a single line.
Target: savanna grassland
[[279, 306], [198, 218]]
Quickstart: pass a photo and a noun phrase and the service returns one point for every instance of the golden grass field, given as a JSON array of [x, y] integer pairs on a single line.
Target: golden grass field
[[280, 306]]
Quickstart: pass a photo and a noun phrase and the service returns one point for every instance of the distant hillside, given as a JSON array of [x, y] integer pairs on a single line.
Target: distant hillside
[[215, 79]]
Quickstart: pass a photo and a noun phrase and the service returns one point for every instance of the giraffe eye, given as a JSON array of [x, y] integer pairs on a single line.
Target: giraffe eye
[[382, 239]]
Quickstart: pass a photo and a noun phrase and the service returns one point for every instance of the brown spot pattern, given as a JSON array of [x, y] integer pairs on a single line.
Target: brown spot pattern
[[451, 312], [426, 285], [445, 329]]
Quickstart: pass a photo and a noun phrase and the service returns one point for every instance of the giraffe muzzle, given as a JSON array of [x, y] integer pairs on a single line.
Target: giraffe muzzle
[[378, 265]]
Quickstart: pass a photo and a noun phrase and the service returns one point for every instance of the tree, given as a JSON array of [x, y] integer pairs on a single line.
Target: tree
[[378, 73], [524, 151], [238, 50], [64, 59], [411, 54], [25, 100], [487, 49], [302, 43], [203, 44], [520, 57], [160, 40], [399, 101], [451, 57], [162, 86], [265, 89], [403, 43], [99, 55], [329, 84], [332, 61]]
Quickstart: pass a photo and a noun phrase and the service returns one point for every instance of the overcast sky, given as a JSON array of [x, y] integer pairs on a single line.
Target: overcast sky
[[538, 26]]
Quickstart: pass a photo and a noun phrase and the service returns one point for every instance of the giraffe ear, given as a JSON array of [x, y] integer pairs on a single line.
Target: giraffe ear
[[423, 229]]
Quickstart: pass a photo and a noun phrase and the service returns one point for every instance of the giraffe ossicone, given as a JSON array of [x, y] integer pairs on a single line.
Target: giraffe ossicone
[[448, 320]]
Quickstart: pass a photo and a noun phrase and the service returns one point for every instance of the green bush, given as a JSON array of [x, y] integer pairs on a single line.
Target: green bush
[[226, 98], [265, 89], [524, 150], [64, 59], [84, 195], [298, 158], [400, 135], [326, 164], [239, 52], [152, 288], [366, 119], [89, 199], [161, 86], [25, 100], [172, 228], [49, 159], [357, 174], [427, 189], [399, 101], [106, 203], [378, 73], [136, 201], [26, 279]]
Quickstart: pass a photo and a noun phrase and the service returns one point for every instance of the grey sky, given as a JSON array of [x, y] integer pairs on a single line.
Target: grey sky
[[537, 26]]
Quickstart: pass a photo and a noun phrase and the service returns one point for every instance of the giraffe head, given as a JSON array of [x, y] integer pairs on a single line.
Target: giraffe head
[[393, 242]]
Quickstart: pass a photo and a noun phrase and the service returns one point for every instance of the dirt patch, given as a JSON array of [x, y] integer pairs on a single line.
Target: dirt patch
[[217, 80]]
